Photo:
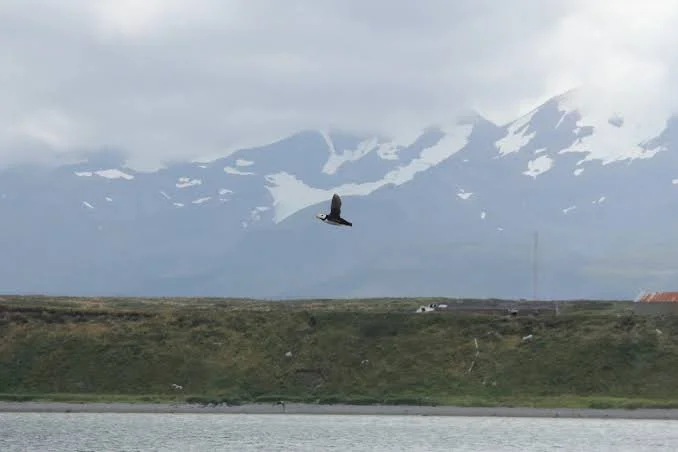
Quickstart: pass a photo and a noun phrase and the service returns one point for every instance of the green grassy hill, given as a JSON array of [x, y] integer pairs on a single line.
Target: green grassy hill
[[363, 351]]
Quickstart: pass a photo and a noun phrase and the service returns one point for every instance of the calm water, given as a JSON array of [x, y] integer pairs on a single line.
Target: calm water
[[238, 432]]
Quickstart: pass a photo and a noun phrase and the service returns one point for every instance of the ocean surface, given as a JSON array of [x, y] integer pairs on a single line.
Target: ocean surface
[[290, 432]]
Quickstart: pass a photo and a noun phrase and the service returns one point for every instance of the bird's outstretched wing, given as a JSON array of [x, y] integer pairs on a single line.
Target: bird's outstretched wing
[[335, 209]]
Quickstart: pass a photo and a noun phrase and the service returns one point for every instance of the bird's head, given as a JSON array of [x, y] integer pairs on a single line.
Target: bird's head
[[321, 216]]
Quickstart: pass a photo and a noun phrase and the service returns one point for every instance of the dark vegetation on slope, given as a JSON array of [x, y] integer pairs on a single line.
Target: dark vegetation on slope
[[596, 354]]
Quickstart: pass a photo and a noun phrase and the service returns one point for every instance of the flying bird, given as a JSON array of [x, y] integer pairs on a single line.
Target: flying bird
[[334, 216]]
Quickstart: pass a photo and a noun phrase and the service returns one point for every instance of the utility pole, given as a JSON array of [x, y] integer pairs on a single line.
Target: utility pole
[[535, 268]]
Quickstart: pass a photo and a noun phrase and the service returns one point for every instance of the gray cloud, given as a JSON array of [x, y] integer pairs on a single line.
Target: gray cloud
[[194, 78]]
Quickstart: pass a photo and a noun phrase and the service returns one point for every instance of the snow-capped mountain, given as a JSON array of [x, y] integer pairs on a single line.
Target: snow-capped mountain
[[451, 213]]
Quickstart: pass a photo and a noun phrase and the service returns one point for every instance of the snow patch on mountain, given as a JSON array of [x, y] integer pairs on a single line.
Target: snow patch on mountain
[[108, 174], [185, 182], [538, 166], [237, 172], [336, 160], [328, 141], [255, 214], [516, 137], [388, 151], [291, 195], [614, 138], [464, 194], [114, 174], [384, 150], [243, 162], [222, 193]]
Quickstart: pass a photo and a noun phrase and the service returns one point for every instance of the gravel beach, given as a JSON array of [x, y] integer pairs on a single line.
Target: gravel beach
[[297, 408]]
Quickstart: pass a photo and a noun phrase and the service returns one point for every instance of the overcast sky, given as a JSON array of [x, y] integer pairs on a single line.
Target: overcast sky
[[175, 79]]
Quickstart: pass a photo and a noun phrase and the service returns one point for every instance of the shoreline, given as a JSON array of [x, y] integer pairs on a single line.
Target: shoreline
[[338, 409]]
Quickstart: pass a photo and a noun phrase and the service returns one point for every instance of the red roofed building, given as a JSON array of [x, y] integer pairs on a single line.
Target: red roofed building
[[659, 297], [657, 302]]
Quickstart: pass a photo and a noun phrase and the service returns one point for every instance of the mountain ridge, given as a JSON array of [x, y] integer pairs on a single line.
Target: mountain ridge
[[450, 213]]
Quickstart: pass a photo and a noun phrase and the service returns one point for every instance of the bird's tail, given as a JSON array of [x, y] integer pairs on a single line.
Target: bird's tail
[[345, 222]]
